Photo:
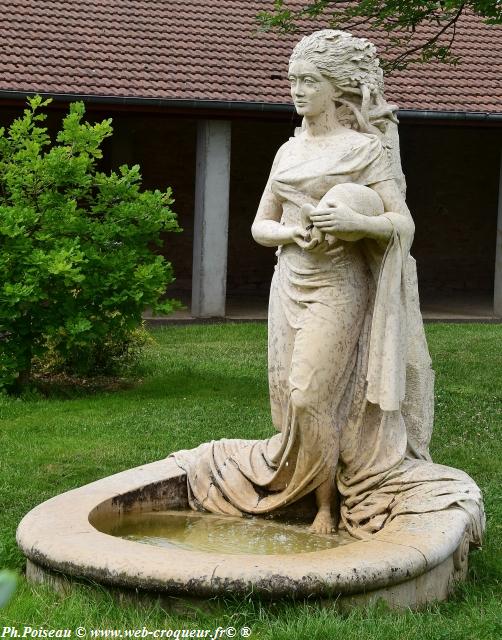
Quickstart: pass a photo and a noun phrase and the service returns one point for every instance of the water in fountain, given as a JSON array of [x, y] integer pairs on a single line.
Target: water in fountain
[[222, 534]]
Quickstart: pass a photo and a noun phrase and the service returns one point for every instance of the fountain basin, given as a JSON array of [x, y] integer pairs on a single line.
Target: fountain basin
[[414, 560]]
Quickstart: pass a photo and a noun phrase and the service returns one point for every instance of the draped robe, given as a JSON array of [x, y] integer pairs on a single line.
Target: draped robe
[[351, 384]]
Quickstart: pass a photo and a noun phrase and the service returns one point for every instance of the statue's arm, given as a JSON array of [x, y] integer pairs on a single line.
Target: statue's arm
[[396, 214], [267, 229]]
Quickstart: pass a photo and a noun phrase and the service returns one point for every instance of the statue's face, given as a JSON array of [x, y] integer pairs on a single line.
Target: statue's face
[[312, 93]]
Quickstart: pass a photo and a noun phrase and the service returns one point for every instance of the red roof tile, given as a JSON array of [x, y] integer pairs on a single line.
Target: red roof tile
[[201, 50]]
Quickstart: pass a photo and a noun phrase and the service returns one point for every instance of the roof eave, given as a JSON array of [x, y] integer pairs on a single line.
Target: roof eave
[[194, 105]]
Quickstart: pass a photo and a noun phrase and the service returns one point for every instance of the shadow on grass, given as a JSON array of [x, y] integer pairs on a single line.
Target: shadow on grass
[[66, 387], [186, 382]]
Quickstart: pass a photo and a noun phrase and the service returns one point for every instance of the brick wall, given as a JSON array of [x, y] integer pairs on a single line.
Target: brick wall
[[254, 145], [452, 175], [164, 147]]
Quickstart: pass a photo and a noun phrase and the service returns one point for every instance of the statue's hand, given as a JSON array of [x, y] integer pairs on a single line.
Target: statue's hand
[[306, 235], [303, 239], [340, 221]]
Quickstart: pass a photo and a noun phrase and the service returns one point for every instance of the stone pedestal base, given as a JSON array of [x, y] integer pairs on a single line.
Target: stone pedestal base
[[415, 560]]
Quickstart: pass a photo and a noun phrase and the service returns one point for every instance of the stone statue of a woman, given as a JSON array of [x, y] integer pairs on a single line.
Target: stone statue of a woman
[[351, 386]]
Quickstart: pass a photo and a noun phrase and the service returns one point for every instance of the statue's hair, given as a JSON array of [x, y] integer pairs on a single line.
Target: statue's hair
[[352, 65], [348, 60]]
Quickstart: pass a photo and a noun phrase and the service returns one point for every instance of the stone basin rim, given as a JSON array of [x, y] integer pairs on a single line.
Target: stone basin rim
[[58, 536]]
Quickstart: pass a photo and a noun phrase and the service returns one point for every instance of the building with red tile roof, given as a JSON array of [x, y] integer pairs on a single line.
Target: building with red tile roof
[[189, 79], [192, 50]]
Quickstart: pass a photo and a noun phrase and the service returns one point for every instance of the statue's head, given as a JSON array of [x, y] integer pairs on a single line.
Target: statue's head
[[350, 63], [350, 67]]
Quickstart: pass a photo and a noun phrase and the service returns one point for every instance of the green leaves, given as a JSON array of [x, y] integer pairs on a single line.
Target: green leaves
[[75, 247], [81, 137], [406, 43]]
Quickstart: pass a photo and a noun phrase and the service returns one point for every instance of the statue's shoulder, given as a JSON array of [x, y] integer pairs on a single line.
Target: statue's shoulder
[[284, 149], [290, 142], [366, 147], [359, 139]]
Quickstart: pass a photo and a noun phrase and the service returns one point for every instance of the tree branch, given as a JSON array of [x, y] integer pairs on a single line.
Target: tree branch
[[428, 43], [402, 19]]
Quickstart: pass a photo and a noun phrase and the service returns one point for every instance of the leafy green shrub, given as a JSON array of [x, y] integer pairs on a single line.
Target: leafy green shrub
[[76, 261], [108, 358]]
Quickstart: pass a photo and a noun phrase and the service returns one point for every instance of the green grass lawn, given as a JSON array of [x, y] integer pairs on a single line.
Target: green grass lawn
[[205, 382]]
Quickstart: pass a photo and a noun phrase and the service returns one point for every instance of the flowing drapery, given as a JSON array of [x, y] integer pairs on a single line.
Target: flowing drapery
[[351, 384]]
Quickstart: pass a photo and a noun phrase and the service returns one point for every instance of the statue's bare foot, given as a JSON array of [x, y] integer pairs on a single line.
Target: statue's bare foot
[[323, 522]]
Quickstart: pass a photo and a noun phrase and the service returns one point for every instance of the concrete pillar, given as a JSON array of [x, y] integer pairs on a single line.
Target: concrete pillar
[[212, 184], [497, 297]]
